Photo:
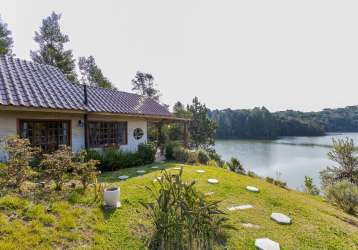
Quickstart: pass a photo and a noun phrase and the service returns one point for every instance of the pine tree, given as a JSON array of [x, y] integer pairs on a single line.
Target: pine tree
[[91, 74], [52, 52], [6, 41], [202, 128], [143, 84]]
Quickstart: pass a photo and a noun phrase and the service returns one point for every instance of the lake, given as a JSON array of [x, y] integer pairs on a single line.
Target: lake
[[288, 158]]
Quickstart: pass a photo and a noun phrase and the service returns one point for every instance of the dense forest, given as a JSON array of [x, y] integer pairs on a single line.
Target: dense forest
[[260, 123]]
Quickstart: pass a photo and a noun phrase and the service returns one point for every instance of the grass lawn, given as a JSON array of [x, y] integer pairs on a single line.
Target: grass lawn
[[75, 221]]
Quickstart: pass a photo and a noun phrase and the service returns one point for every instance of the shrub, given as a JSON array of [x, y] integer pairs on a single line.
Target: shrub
[[17, 169], [345, 195], [213, 163], [85, 170], [347, 168], [181, 154], [169, 150], [192, 157], [57, 165], [252, 174], [146, 152], [182, 218], [235, 166], [92, 154], [269, 180], [310, 188], [111, 159], [280, 183], [203, 157]]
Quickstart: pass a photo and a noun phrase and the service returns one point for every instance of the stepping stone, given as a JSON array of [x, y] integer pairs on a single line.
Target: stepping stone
[[177, 168], [200, 171], [241, 207], [209, 193], [155, 167], [249, 225], [123, 177], [266, 244], [252, 189], [140, 171], [213, 181], [281, 218], [159, 178]]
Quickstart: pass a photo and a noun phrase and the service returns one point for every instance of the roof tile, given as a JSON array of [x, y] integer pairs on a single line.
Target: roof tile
[[24, 83]]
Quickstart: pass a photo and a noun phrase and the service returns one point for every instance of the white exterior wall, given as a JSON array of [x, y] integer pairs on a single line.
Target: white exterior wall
[[8, 126]]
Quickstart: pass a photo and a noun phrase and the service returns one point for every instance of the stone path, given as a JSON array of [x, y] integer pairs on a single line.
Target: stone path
[[281, 218], [213, 181], [252, 189], [240, 207], [249, 225], [266, 244]]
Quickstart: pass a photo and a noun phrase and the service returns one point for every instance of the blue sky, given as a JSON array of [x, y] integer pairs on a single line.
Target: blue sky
[[240, 54]]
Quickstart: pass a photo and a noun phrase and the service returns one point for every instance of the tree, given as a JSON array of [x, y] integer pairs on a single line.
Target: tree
[[143, 84], [52, 52], [6, 41], [201, 128], [310, 188], [91, 74], [347, 168]]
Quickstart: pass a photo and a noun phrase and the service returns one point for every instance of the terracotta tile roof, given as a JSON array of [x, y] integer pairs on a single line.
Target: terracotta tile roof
[[28, 84]]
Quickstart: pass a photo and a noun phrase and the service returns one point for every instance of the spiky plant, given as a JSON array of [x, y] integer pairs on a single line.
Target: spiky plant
[[182, 218]]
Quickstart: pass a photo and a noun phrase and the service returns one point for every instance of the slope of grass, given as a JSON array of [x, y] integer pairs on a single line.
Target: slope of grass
[[72, 220], [316, 224]]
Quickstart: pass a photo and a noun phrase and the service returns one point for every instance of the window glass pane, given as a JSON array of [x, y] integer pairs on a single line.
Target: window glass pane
[[47, 135]]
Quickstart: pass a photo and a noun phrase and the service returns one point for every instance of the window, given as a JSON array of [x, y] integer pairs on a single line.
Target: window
[[47, 135], [138, 133], [103, 134]]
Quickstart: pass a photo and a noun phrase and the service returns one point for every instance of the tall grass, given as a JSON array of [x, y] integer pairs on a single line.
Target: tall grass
[[182, 218]]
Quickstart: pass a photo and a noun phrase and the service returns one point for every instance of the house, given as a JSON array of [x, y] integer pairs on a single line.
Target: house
[[39, 103]]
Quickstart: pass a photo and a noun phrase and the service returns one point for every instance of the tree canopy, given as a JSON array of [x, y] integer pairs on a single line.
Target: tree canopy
[[143, 84], [51, 47], [91, 74], [6, 41], [260, 123], [201, 128]]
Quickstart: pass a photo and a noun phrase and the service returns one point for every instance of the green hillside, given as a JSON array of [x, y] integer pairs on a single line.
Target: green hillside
[[72, 220]]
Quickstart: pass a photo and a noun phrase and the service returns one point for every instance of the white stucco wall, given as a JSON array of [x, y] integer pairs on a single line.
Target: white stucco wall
[[8, 126]]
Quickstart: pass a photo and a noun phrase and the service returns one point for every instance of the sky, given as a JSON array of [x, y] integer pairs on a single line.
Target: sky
[[286, 54]]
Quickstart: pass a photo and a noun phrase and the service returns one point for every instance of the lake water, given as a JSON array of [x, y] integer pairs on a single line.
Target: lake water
[[288, 158]]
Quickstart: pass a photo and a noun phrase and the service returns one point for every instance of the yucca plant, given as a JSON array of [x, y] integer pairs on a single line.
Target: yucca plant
[[182, 218]]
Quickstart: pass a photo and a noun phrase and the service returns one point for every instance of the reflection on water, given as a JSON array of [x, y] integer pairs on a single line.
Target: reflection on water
[[288, 158]]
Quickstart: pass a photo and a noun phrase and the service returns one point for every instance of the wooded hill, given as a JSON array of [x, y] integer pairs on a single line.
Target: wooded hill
[[260, 123]]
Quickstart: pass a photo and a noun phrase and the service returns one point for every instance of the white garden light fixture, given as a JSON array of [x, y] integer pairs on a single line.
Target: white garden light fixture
[[112, 197]]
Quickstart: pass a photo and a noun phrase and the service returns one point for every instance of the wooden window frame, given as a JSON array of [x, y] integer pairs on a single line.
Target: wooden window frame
[[69, 122], [91, 144]]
